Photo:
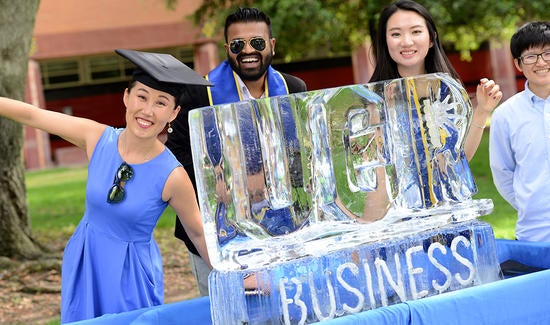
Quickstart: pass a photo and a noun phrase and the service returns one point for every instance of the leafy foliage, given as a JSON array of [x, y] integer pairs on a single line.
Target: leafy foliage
[[325, 28], [466, 24]]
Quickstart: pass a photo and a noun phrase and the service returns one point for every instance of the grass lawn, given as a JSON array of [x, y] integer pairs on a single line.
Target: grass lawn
[[503, 219], [56, 198]]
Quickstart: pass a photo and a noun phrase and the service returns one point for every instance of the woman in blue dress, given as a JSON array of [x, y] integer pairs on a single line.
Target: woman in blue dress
[[112, 263]]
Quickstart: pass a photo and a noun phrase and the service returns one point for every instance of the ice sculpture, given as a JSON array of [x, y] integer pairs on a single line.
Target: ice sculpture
[[362, 277], [360, 195]]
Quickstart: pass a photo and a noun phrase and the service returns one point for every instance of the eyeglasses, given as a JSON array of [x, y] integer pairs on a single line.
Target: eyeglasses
[[533, 58], [237, 45], [123, 174]]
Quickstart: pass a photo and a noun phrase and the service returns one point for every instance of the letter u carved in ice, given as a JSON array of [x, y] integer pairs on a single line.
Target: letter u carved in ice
[[287, 170]]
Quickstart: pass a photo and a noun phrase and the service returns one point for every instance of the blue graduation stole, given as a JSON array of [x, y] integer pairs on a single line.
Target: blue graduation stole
[[226, 86], [226, 90], [435, 184]]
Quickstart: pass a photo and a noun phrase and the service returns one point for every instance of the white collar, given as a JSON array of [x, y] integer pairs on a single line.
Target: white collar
[[244, 90]]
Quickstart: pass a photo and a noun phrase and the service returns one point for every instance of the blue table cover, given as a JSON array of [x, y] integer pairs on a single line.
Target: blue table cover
[[521, 300]]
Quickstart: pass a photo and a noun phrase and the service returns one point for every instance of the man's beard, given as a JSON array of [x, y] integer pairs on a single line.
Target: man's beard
[[251, 74]]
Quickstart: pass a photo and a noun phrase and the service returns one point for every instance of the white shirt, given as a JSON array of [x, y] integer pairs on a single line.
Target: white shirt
[[244, 90], [519, 152]]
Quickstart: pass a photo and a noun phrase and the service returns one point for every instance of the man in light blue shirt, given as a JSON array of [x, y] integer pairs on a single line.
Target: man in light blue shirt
[[520, 136]]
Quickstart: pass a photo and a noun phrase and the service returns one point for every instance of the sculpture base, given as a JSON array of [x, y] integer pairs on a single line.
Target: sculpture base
[[354, 279]]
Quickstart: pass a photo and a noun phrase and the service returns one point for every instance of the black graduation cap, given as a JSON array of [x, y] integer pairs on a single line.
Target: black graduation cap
[[162, 71]]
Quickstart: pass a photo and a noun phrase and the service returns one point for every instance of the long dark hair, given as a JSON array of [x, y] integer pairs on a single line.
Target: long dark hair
[[436, 60]]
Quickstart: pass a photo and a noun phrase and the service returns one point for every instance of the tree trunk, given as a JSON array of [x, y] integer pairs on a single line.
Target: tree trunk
[[16, 29], [504, 72], [363, 60]]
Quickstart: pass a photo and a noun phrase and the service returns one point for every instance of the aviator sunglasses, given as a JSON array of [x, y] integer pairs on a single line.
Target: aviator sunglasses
[[237, 45], [123, 174]]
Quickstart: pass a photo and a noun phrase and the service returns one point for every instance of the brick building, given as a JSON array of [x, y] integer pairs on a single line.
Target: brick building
[[74, 70]]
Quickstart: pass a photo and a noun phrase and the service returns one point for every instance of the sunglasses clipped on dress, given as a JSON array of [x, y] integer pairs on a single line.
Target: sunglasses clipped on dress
[[123, 174], [237, 45]]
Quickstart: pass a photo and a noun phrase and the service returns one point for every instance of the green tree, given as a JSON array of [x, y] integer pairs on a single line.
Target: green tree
[[310, 28], [17, 20]]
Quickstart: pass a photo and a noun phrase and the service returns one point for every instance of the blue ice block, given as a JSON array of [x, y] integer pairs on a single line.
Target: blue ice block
[[339, 200], [289, 169], [350, 280]]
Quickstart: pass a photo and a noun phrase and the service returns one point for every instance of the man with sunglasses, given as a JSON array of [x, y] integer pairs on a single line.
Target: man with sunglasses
[[245, 74], [520, 135]]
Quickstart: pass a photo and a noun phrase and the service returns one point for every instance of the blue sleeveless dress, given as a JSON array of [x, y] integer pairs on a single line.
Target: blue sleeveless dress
[[112, 263]]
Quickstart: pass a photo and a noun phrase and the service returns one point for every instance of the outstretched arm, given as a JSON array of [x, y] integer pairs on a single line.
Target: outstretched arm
[[488, 95], [81, 132]]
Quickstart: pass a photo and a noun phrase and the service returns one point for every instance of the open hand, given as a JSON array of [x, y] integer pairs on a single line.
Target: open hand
[[488, 95]]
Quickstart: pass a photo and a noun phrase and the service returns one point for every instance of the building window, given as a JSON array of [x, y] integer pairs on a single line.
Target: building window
[[106, 69], [100, 69], [56, 74]]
